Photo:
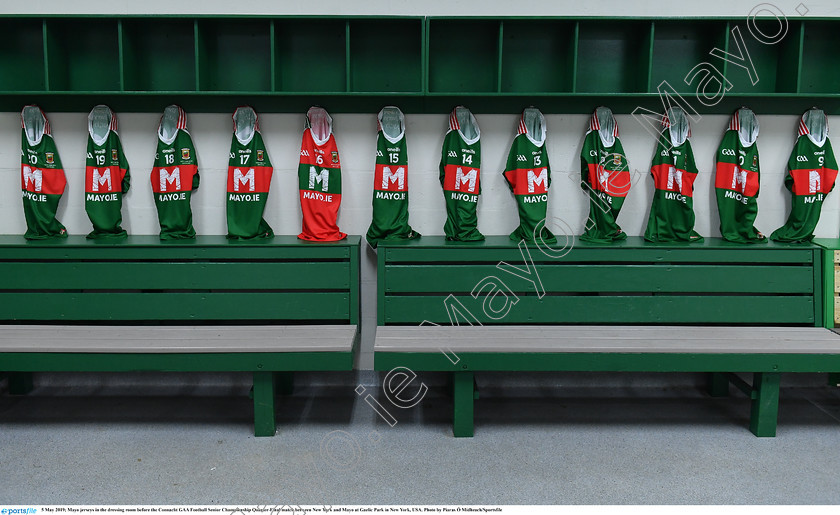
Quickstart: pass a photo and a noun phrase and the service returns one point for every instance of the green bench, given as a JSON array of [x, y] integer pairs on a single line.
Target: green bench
[[268, 307], [712, 306]]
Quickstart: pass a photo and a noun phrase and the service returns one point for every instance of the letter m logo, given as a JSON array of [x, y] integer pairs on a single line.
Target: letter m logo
[[468, 178], [814, 182], [167, 178], [389, 177], [99, 180], [242, 179], [33, 176], [674, 179], [540, 177], [739, 180], [323, 178]]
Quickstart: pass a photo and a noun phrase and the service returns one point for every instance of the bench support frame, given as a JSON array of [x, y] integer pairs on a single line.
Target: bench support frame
[[765, 403], [463, 404], [264, 391]]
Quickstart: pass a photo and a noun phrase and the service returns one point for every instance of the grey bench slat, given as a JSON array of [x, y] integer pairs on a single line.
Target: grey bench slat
[[592, 339], [176, 339]]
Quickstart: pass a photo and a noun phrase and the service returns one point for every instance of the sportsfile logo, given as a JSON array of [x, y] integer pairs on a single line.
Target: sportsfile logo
[[11, 511]]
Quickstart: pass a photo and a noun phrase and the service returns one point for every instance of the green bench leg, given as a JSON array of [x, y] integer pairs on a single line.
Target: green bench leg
[[765, 405], [463, 401], [834, 379], [285, 382], [20, 383], [264, 423], [718, 384]]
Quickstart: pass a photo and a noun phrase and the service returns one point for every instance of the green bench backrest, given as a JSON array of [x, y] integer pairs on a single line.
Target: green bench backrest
[[632, 282], [282, 280]]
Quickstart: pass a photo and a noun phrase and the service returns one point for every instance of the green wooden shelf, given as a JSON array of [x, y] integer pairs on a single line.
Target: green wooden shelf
[[422, 64]]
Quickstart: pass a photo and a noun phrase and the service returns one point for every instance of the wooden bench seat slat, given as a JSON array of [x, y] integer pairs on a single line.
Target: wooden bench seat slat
[[679, 339], [166, 340]]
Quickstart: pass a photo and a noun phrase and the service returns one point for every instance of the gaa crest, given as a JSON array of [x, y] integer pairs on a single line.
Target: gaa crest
[[114, 155], [260, 155], [185, 153], [334, 155], [50, 158]]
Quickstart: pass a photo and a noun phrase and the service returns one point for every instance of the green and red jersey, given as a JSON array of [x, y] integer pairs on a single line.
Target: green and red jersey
[[460, 175], [390, 181], [319, 179], [174, 175], [249, 178], [107, 176], [812, 172], [737, 179], [605, 176], [41, 176], [674, 171], [528, 174]]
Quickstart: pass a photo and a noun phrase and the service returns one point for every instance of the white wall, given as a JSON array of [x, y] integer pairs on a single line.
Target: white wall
[[356, 139]]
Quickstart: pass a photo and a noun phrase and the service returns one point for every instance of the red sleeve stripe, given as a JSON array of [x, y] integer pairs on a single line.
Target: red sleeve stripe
[[735, 123], [803, 130], [182, 118], [453, 121]]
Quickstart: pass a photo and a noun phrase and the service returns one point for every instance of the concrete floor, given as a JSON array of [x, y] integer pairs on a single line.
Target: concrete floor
[[540, 439]]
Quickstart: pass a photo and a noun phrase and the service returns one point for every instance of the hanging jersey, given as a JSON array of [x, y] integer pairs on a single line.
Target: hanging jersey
[[107, 176], [460, 174], [605, 177], [41, 176], [528, 175], [737, 179], [812, 172], [174, 176], [249, 178], [319, 179], [390, 181], [674, 171]]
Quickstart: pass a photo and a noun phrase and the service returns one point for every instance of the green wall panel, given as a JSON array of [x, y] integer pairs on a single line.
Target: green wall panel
[[83, 55], [158, 55], [386, 55], [22, 55], [310, 56]]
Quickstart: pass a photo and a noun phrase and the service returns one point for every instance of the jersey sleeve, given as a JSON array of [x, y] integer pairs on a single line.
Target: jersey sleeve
[[126, 182], [443, 151]]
